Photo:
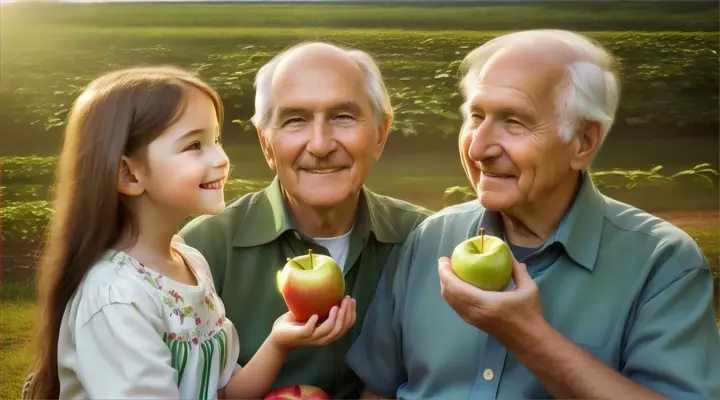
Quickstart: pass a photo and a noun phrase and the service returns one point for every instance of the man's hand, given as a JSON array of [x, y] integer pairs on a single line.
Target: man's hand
[[506, 316], [514, 318]]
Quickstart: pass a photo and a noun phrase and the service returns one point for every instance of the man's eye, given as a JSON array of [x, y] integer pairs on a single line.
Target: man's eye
[[295, 120]]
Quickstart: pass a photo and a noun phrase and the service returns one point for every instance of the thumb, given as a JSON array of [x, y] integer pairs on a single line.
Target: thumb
[[444, 264], [520, 275], [444, 271]]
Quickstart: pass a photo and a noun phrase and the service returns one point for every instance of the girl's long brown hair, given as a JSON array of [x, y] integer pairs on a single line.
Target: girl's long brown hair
[[118, 114]]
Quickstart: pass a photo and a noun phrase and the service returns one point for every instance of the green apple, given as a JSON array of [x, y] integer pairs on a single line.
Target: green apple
[[311, 284], [483, 261]]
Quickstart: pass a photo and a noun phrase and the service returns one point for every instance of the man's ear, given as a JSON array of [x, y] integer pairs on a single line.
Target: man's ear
[[587, 142], [383, 131], [128, 182], [267, 149]]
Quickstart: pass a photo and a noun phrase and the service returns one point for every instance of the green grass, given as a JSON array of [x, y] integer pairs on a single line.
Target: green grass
[[421, 16], [16, 323], [668, 67], [667, 77]]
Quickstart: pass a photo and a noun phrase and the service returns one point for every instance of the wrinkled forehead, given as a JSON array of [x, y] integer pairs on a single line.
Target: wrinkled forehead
[[318, 82], [531, 70]]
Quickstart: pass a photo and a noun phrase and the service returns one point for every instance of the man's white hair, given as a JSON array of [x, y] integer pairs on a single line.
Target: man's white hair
[[372, 82], [590, 91]]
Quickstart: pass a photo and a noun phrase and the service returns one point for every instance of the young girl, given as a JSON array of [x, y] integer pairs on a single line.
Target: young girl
[[127, 310]]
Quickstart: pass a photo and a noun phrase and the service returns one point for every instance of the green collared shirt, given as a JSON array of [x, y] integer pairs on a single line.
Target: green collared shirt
[[632, 290], [251, 240]]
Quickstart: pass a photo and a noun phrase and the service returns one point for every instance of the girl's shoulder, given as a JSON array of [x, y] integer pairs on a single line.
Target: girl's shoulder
[[195, 258], [115, 279]]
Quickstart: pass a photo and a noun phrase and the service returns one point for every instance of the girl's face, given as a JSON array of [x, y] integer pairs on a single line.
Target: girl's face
[[185, 168]]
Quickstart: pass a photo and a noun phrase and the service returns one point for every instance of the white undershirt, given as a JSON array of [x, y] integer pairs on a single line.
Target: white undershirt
[[337, 246]]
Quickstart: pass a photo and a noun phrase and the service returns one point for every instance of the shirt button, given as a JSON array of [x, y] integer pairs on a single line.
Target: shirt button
[[297, 235], [488, 374]]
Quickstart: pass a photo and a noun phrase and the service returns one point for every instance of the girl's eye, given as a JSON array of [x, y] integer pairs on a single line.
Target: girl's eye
[[193, 146]]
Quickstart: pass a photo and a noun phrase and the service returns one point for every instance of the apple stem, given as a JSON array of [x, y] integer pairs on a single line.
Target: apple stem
[[311, 261], [482, 239]]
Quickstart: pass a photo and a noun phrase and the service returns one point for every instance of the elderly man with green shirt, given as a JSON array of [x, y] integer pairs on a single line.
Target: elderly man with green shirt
[[606, 300], [322, 115]]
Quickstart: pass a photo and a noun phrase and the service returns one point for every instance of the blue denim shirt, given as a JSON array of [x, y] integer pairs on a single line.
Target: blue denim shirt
[[632, 290]]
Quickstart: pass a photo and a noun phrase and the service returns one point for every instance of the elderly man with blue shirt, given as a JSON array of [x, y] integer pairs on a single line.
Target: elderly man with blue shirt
[[606, 300]]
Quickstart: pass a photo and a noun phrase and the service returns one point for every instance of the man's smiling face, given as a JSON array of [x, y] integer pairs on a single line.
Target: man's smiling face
[[510, 147], [322, 138]]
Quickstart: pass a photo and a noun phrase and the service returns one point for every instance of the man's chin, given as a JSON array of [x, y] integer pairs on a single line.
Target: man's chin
[[331, 197], [494, 201]]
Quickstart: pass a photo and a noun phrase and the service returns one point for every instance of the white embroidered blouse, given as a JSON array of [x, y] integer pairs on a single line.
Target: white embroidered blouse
[[129, 332]]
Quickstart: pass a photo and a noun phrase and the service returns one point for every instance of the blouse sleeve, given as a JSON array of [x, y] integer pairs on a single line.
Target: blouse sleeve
[[233, 348], [120, 353]]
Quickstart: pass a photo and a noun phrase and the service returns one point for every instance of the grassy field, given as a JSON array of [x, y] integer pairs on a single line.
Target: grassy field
[[439, 15], [17, 309], [667, 59]]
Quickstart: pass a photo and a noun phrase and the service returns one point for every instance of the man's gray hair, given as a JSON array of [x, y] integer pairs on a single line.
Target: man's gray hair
[[373, 83], [590, 92]]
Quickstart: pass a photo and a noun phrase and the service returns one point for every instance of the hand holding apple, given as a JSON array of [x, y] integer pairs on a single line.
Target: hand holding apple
[[288, 333], [297, 392], [483, 261], [511, 316], [311, 284]]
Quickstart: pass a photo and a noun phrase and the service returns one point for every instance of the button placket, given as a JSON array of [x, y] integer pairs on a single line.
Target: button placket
[[489, 369]]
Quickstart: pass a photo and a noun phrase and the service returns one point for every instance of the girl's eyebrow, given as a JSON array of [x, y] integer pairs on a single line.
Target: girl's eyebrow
[[190, 133]]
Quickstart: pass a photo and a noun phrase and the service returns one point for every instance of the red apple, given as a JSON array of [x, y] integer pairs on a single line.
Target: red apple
[[297, 392], [311, 284]]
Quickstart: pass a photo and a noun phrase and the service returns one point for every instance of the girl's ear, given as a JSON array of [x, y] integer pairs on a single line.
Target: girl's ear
[[128, 184]]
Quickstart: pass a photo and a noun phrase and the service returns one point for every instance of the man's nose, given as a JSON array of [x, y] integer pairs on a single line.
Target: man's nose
[[321, 141], [483, 142]]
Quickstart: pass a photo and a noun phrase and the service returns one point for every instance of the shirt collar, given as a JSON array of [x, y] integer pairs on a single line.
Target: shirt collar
[[579, 231], [267, 217]]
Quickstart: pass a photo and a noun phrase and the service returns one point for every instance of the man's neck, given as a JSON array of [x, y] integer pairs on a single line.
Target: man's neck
[[323, 222], [531, 226]]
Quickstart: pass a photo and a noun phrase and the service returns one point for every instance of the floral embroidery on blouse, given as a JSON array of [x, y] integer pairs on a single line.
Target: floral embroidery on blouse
[[199, 337], [210, 303], [176, 303]]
